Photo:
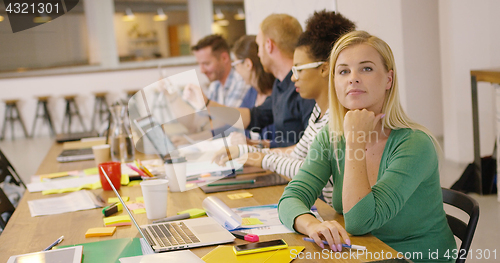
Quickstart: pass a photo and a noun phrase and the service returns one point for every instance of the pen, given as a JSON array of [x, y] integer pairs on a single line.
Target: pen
[[343, 245], [59, 240], [141, 173], [173, 218], [232, 182]]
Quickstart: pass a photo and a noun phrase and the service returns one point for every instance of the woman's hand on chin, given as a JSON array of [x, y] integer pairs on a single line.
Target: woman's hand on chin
[[359, 123]]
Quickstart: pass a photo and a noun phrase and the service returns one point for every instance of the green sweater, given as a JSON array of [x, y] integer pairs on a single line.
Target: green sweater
[[404, 208]]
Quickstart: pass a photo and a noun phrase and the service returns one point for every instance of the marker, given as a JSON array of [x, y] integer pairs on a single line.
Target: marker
[[245, 236], [59, 240], [343, 245], [232, 183]]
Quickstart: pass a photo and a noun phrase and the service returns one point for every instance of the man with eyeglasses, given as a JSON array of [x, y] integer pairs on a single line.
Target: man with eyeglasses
[[226, 85]]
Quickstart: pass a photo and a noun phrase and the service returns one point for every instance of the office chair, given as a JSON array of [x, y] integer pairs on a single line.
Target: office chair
[[7, 169], [5, 207], [465, 232]]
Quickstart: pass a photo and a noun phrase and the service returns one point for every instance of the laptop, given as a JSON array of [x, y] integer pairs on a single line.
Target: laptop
[[75, 136], [71, 155], [182, 234]]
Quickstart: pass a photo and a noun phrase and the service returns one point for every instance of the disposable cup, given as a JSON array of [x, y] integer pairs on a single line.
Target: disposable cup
[[102, 153], [155, 197], [175, 169], [114, 172]]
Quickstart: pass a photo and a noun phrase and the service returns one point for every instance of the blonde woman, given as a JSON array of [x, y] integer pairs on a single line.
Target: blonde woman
[[384, 166]]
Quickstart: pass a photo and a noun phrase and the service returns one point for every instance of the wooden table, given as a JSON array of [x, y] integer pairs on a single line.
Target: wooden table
[[25, 234], [492, 76]]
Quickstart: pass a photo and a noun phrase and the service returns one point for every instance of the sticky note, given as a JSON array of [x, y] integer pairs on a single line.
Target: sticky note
[[91, 171], [193, 213], [134, 206], [114, 220], [139, 211], [139, 199], [112, 200], [100, 231], [250, 221], [134, 183], [239, 195]]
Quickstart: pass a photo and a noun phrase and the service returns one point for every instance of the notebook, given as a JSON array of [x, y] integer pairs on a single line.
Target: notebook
[[182, 234], [71, 155]]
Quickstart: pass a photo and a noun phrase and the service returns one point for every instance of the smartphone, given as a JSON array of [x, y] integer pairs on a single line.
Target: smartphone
[[260, 247]]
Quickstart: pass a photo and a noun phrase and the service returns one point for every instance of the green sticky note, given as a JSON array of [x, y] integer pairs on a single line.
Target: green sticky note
[[109, 250], [194, 212]]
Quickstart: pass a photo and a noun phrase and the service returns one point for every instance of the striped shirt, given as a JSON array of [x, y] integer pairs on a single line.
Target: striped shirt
[[232, 93], [288, 164]]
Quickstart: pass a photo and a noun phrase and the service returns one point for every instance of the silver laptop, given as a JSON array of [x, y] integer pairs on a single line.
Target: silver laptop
[[180, 234]]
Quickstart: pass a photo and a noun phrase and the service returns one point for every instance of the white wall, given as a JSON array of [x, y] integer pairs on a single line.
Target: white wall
[[257, 10], [469, 40]]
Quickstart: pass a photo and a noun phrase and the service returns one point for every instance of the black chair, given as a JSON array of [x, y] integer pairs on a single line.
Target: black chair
[[465, 232], [7, 169], [5, 207]]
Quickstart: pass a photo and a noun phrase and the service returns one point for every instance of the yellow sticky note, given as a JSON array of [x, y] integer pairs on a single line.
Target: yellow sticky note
[[53, 175], [249, 221], [139, 211], [112, 200], [239, 195], [111, 220], [100, 231], [194, 212], [91, 171], [134, 183], [139, 199]]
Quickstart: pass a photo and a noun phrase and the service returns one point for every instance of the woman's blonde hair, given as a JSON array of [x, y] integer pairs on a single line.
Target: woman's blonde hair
[[395, 117]]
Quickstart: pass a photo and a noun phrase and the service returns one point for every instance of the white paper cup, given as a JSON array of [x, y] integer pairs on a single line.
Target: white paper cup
[[101, 154], [175, 170], [155, 197]]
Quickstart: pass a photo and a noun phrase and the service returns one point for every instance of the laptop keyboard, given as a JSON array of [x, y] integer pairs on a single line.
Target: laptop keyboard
[[171, 234]]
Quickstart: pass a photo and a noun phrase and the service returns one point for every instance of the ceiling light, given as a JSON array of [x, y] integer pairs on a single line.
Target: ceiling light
[[240, 15], [224, 22], [160, 16], [42, 18], [129, 16], [218, 14]]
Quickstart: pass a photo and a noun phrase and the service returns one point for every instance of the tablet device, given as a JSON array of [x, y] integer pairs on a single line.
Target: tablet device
[[66, 255]]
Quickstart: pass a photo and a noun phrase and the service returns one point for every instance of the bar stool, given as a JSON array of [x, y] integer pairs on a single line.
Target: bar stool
[[45, 115], [101, 109], [10, 107], [69, 113]]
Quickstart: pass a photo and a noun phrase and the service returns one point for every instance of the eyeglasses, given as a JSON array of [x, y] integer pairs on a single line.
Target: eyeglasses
[[297, 69], [236, 62]]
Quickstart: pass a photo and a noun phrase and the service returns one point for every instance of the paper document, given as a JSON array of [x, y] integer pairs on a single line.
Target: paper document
[[81, 200], [61, 183]]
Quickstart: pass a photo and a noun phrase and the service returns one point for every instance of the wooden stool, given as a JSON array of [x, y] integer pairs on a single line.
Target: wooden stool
[[69, 113], [10, 107], [45, 115], [101, 108]]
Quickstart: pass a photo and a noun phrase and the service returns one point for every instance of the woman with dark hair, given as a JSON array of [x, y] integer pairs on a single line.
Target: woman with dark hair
[[248, 65], [310, 74]]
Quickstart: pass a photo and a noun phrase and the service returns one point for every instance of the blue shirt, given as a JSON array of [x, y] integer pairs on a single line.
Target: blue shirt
[[266, 133], [286, 109]]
